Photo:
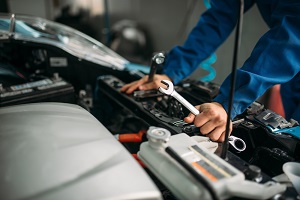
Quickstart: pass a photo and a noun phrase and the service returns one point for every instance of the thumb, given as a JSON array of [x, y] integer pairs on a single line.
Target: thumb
[[191, 117]]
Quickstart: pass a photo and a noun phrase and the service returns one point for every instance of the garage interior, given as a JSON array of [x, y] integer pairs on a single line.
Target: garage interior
[[67, 132]]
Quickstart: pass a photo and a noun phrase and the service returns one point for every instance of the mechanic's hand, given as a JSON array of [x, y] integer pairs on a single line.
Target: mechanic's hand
[[211, 120], [143, 83]]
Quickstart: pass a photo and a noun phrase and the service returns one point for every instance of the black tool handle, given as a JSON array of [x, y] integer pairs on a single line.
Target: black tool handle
[[156, 60]]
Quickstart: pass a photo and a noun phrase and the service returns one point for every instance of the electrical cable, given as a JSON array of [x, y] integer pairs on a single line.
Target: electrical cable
[[206, 64], [237, 44], [131, 137], [135, 156]]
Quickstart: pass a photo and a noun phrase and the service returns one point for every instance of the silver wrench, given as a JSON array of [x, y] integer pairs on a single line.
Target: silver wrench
[[172, 92]]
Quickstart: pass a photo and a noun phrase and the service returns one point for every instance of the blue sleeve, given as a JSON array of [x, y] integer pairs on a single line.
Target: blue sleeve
[[274, 60], [213, 28]]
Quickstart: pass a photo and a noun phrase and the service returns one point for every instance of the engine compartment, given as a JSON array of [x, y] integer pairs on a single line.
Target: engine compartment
[[34, 71]]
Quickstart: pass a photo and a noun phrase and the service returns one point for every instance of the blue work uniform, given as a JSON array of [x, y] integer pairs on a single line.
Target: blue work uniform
[[274, 60]]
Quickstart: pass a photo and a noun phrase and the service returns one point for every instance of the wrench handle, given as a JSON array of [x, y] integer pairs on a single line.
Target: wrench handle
[[152, 72], [157, 59], [185, 103]]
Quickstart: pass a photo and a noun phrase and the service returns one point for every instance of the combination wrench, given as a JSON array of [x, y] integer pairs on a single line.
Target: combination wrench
[[236, 142]]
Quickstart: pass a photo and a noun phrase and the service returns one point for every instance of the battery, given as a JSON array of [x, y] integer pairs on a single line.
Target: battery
[[44, 90]]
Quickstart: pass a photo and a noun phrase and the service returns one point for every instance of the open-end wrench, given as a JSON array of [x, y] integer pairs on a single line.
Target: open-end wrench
[[172, 92]]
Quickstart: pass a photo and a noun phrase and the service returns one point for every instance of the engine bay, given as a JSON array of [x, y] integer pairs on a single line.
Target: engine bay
[[33, 72]]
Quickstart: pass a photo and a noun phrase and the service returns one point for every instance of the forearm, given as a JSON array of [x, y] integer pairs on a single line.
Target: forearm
[[274, 60], [211, 31]]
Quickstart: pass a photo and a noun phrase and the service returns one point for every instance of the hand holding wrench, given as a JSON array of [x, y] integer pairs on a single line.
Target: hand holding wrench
[[171, 91]]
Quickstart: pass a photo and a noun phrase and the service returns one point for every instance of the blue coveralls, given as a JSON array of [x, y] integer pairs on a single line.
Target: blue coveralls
[[274, 60]]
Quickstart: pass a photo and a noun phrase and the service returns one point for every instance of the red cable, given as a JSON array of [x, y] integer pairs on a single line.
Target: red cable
[[132, 137], [138, 160]]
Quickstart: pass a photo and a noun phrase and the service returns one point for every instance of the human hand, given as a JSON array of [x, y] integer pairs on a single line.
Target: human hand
[[143, 83], [211, 120]]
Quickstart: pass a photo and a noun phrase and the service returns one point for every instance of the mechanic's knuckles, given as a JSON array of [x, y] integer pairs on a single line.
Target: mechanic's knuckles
[[203, 131], [212, 113], [214, 136]]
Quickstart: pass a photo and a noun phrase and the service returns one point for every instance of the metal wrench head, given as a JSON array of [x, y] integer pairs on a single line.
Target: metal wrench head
[[237, 143], [170, 87]]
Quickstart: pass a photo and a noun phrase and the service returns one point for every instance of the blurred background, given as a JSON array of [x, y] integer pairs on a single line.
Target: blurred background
[[137, 28]]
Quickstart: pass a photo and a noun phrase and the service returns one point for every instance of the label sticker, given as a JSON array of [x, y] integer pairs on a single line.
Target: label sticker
[[58, 62]]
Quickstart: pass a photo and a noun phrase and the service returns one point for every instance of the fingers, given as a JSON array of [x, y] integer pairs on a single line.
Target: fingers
[[212, 128], [130, 87], [143, 84], [149, 86], [211, 120], [191, 117], [218, 135]]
